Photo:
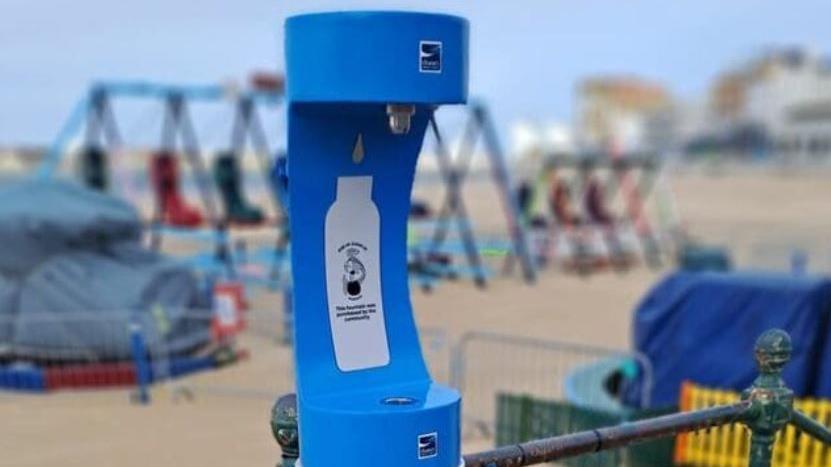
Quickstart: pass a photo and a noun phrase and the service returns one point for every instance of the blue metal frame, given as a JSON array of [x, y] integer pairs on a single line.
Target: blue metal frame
[[94, 111], [136, 89]]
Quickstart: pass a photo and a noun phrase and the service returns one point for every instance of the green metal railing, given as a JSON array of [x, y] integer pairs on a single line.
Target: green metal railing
[[766, 407]]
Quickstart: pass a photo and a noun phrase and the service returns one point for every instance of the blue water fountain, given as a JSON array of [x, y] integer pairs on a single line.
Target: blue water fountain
[[361, 88]]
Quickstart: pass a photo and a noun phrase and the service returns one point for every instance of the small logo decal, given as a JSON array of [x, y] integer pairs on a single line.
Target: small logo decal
[[354, 273], [428, 445], [429, 57]]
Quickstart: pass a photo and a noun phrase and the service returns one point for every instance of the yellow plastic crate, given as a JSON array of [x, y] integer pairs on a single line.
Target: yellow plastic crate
[[728, 446]]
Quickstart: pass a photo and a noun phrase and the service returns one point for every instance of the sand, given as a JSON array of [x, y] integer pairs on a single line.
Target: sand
[[759, 214]]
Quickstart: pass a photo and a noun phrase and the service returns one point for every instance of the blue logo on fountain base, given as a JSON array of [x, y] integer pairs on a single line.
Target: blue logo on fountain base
[[428, 445]]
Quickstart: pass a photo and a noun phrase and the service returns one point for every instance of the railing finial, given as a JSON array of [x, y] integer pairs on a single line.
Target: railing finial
[[284, 428], [771, 400], [773, 351]]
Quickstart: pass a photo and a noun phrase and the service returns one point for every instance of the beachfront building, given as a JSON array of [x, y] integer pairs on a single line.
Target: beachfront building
[[779, 103], [624, 114]]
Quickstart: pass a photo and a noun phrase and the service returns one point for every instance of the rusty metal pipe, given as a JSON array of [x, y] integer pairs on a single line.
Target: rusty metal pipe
[[602, 439]]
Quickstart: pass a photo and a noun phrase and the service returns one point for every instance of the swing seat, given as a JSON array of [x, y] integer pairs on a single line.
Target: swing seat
[[94, 169], [621, 252], [596, 207], [228, 179], [420, 210], [179, 214], [561, 207], [174, 210]]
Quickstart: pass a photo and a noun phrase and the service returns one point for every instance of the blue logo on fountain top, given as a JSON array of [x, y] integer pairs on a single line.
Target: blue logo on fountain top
[[429, 57]]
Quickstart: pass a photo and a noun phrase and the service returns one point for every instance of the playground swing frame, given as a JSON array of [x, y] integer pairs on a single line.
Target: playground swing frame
[[587, 174], [94, 112], [247, 128], [453, 171], [612, 186]]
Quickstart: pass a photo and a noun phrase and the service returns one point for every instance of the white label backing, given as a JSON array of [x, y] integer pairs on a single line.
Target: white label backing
[[353, 277]]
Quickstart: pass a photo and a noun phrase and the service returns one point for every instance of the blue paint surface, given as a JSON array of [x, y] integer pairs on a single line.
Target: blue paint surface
[[22, 379], [374, 57], [342, 71]]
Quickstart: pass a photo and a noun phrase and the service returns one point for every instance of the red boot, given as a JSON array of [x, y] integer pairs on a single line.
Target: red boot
[[164, 174]]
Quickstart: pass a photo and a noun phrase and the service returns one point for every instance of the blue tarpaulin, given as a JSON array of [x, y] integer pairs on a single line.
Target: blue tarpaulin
[[701, 327], [39, 219], [74, 275]]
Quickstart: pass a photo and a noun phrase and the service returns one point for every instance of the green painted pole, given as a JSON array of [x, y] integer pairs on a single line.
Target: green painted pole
[[771, 401], [284, 429], [811, 427]]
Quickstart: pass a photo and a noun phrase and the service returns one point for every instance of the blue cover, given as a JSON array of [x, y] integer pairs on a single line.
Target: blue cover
[[79, 304], [702, 327], [42, 218], [73, 274], [8, 304]]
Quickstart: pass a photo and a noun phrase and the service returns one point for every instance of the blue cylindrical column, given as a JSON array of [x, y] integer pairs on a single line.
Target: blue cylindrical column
[[361, 89]]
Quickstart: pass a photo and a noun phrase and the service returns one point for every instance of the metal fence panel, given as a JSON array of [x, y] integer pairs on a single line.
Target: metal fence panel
[[273, 362], [487, 364], [115, 349]]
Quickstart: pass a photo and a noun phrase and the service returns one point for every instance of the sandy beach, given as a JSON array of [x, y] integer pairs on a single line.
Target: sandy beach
[[761, 215]]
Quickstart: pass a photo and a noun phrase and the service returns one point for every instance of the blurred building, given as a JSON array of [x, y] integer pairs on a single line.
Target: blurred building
[[778, 102], [625, 114], [17, 161], [532, 142]]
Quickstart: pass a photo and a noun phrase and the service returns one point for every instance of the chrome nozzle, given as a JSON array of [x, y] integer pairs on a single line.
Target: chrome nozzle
[[399, 118]]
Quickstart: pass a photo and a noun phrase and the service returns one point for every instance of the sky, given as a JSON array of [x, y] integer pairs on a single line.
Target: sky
[[526, 55]]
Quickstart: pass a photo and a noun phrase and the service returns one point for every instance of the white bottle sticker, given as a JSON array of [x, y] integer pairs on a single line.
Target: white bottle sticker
[[353, 277]]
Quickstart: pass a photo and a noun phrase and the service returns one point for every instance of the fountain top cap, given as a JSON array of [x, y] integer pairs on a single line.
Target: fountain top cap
[[377, 57]]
